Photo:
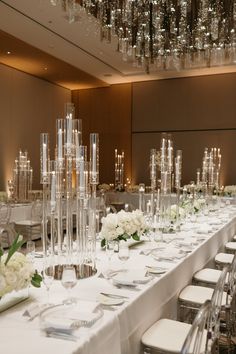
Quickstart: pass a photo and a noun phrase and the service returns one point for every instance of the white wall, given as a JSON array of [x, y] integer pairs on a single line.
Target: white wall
[[28, 106]]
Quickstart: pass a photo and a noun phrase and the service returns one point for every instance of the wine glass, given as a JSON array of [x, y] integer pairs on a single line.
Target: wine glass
[[123, 253], [48, 277], [109, 249], [30, 250], [69, 280]]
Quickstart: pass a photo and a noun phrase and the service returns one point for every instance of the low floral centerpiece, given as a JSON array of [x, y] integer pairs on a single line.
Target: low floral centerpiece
[[230, 191], [16, 270], [122, 226], [174, 209], [104, 187], [194, 206]]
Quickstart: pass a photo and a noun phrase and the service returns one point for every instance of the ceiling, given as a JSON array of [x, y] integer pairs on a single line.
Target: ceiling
[[42, 42]]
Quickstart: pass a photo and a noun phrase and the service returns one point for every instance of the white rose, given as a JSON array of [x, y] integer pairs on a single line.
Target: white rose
[[11, 278], [119, 231], [111, 235], [110, 221], [25, 273], [21, 284], [2, 283]]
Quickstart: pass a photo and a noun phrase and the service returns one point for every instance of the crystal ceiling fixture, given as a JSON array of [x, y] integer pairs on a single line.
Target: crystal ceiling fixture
[[165, 34]]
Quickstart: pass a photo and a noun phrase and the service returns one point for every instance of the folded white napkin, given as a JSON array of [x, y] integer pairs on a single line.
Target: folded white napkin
[[131, 278], [188, 226], [204, 229], [169, 255], [58, 324], [34, 310], [67, 318], [11, 299], [214, 221]]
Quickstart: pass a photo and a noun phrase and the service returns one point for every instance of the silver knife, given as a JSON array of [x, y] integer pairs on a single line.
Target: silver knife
[[115, 296]]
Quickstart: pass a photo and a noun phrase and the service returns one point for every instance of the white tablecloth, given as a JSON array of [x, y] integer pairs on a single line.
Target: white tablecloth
[[119, 331]]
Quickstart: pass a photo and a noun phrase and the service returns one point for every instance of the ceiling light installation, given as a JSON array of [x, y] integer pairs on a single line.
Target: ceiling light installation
[[165, 34]]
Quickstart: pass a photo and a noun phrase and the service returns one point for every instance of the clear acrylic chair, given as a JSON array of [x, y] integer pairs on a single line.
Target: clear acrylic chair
[[6, 230], [199, 339], [230, 247], [169, 336], [223, 259], [209, 276], [31, 228], [193, 296]]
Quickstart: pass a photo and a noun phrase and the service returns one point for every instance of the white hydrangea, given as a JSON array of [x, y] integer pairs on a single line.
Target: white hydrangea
[[173, 212], [199, 203], [16, 275], [230, 190], [123, 223]]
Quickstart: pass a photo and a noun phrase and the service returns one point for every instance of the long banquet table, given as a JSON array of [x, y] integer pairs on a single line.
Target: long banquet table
[[119, 331]]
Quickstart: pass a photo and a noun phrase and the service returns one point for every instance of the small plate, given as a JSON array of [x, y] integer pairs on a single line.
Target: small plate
[[109, 301], [156, 270], [124, 282]]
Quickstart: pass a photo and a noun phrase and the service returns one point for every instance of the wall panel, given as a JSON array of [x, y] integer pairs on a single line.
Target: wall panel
[[107, 111], [199, 111], [28, 107], [206, 102]]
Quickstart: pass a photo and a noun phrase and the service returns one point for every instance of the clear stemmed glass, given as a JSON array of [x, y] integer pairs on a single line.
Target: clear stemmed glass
[[48, 277], [110, 249], [69, 280], [123, 253], [30, 250]]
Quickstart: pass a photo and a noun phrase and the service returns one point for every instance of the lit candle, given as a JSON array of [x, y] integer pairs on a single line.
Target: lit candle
[[44, 159], [53, 188], [198, 176], [158, 198], [69, 129], [59, 144], [153, 165], [94, 165]]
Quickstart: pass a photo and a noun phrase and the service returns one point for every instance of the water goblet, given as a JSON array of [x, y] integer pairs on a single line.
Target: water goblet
[[30, 250], [48, 277], [123, 253], [109, 249], [69, 280]]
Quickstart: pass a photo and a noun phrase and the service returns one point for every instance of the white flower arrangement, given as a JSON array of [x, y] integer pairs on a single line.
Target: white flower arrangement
[[16, 271], [104, 187], [193, 206], [174, 210], [122, 226], [230, 191]]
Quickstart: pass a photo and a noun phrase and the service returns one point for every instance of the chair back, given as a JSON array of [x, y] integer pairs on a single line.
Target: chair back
[[208, 317], [37, 211], [129, 207], [110, 209], [5, 213], [232, 277], [196, 341], [216, 301]]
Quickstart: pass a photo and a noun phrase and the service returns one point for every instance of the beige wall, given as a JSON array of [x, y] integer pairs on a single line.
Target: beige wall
[[107, 111], [199, 112], [28, 107]]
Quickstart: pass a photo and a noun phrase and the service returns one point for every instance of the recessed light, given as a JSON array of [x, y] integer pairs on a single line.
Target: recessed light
[[8, 53], [45, 68]]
